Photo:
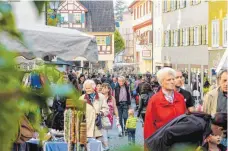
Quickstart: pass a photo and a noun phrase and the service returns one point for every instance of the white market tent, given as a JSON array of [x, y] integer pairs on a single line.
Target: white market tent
[[223, 64], [42, 40]]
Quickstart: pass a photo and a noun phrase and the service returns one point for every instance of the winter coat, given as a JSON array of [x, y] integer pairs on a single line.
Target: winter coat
[[99, 105], [159, 111], [210, 102]]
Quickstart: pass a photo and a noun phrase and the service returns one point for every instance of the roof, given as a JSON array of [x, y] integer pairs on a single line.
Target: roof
[[100, 16], [133, 3]]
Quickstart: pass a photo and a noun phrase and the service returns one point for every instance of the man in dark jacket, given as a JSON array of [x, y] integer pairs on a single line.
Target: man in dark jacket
[[187, 95], [123, 101]]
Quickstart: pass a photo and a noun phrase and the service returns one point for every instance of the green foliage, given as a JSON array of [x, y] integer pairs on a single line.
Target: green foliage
[[120, 7], [119, 42], [39, 5], [52, 22], [16, 100]]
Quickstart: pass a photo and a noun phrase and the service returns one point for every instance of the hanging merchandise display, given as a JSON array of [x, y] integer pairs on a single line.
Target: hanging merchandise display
[[74, 127]]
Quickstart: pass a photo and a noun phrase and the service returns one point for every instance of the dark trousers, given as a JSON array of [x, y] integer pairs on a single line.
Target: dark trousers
[[143, 117], [123, 114], [131, 136]]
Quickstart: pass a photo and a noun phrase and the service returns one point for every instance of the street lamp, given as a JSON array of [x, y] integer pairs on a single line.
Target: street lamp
[[54, 5]]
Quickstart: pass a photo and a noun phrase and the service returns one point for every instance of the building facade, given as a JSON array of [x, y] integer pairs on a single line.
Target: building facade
[[217, 33], [95, 18], [126, 31], [185, 39], [142, 28]]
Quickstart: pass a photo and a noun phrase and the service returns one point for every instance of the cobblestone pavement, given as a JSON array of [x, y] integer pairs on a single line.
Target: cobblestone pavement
[[115, 141]]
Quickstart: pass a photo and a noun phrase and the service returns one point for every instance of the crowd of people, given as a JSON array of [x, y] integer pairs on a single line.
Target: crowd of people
[[159, 99]]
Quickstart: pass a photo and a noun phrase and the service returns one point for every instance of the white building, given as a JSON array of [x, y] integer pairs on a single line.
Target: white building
[[126, 32]]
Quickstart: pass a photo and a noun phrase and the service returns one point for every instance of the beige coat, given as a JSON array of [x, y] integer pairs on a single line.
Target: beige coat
[[210, 101], [99, 105]]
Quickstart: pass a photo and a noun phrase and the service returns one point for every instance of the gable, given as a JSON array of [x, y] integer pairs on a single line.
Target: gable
[[72, 5]]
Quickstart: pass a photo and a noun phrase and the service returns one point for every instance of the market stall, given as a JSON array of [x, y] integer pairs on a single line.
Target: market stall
[[41, 41]]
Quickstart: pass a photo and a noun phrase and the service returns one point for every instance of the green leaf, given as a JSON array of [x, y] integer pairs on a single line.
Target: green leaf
[[39, 6]]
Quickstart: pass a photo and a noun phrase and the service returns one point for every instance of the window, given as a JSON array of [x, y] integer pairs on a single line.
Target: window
[[173, 4], [101, 40], [206, 33], [167, 38], [77, 18], [225, 34], [175, 38], [195, 2], [165, 5], [150, 37], [138, 12], [159, 8], [141, 8], [156, 38], [64, 17], [159, 38], [150, 6], [134, 13], [185, 36], [196, 35], [147, 7], [144, 9], [215, 33], [182, 3]]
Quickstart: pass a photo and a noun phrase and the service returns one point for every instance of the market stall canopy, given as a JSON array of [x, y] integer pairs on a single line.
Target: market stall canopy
[[42, 40], [223, 64]]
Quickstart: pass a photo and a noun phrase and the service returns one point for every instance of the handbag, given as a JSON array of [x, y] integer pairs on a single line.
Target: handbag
[[26, 131], [98, 122], [106, 122]]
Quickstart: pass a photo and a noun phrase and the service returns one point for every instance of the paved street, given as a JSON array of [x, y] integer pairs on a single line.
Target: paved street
[[115, 141]]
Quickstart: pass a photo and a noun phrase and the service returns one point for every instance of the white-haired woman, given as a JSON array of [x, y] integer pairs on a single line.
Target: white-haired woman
[[164, 105], [96, 106]]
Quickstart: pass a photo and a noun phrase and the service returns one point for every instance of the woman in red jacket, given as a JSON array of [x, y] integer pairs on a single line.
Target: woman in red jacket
[[164, 105]]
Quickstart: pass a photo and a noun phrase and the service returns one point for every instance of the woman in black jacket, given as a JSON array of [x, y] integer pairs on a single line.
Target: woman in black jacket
[[145, 96]]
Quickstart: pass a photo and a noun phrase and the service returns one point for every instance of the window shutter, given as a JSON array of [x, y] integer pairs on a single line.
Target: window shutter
[[171, 35], [203, 37], [163, 6], [108, 41], [62, 20], [200, 35], [191, 36], [163, 39], [191, 2], [169, 38], [178, 4], [180, 37], [82, 18], [175, 4], [188, 36], [168, 5]]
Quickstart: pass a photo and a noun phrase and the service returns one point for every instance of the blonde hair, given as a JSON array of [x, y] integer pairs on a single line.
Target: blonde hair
[[131, 112]]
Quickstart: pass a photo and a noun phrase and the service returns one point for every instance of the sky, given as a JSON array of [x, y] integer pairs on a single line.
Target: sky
[[128, 2]]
